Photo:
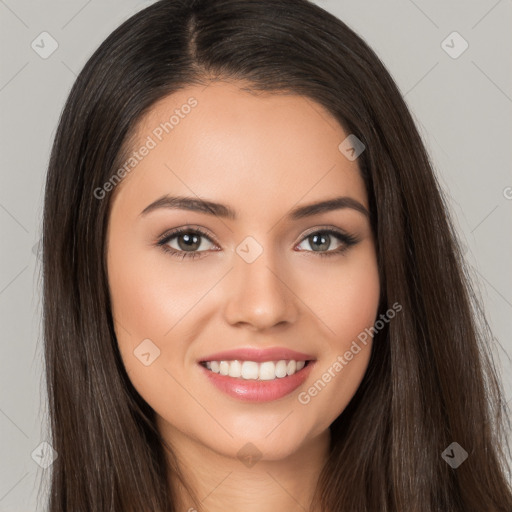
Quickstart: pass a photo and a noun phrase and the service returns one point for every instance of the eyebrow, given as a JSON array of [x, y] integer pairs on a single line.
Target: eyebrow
[[224, 211]]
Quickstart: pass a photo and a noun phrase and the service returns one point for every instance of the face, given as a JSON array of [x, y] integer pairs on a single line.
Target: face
[[261, 278]]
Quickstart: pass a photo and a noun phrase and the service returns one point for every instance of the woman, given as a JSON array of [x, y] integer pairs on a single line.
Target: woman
[[253, 294]]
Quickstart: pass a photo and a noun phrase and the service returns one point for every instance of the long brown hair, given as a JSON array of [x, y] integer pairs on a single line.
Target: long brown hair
[[430, 381]]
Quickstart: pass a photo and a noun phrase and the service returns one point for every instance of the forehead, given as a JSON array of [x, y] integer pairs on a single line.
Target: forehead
[[255, 151]]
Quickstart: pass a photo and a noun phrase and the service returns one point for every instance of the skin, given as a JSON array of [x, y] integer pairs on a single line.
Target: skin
[[261, 154]]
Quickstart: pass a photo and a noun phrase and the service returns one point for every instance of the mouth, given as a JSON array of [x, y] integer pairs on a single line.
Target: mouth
[[254, 370], [262, 381]]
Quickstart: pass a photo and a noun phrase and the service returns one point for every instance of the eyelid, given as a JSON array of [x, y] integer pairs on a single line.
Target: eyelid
[[323, 228], [189, 227]]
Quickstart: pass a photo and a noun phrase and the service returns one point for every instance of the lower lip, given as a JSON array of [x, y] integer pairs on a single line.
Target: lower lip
[[258, 390]]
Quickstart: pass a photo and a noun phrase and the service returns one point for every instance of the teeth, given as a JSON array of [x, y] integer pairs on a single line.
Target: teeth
[[250, 370], [235, 369], [291, 367], [281, 369], [268, 370], [224, 367]]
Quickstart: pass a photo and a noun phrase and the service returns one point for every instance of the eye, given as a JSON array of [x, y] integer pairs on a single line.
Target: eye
[[321, 240], [188, 242]]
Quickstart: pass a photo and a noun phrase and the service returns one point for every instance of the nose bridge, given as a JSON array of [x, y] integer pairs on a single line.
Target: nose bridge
[[260, 292]]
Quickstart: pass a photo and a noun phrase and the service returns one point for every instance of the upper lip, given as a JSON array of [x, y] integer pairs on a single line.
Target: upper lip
[[258, 355]]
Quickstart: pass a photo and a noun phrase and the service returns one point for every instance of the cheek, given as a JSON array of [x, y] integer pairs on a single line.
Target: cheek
[[139, 305], [147, 304], [157, 299], [344, 296], [354, 306], [149, 295], [347, 303]]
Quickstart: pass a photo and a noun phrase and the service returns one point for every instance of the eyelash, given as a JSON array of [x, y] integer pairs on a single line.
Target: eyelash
[[346, 239]]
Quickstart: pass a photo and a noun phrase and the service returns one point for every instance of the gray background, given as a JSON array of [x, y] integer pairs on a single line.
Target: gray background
[[462, 107]]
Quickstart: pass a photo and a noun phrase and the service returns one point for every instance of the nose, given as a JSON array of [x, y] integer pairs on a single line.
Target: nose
[[260, 294]]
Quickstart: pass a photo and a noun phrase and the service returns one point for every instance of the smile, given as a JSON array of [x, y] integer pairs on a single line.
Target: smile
[[266, 370], [257, 381]]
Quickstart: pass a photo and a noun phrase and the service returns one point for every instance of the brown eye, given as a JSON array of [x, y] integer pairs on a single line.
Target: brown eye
[[187, 241]]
